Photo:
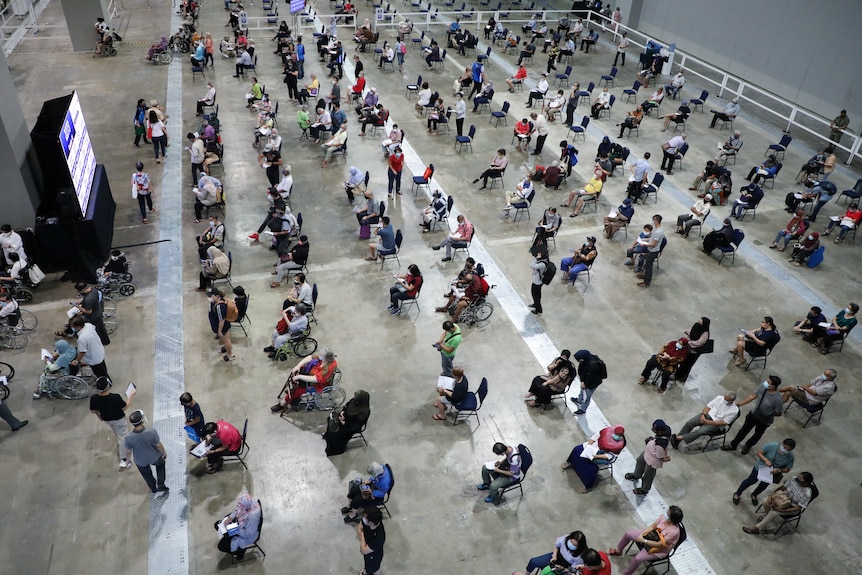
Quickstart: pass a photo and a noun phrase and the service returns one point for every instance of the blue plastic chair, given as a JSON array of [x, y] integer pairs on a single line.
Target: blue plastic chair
[[500, 116], [461, 141]]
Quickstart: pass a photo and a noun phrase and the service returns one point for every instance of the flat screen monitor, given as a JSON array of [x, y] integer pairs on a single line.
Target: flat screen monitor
[[78, 151]]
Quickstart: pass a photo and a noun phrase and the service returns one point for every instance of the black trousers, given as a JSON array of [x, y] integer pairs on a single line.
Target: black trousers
[[748, 424], [459, 124], [536, 292]]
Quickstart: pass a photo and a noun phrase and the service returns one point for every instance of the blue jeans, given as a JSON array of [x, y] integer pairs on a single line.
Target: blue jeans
[[157, 482], [585, 397], [751, 480], [539, 562], [394, 178], [446, 362], [160, 142]]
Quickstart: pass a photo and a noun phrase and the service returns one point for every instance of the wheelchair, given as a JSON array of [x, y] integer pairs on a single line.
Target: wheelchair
[[21, 292], [108, 49], [479, 310], [60, 386], [119, 282], [179, 44], [162, 57], [301, 345], [330, 397]]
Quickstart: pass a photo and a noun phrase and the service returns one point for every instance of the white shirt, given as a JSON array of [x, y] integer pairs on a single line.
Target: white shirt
[[678, 81], [9, 308], [284, 186], [624, 43], [15, 270], [719, 410], [604, 98], [542, 86], [90, 343], [540, 125], [424, 97], [675, 144], [703, 207], [12, 243], [460, 109], [210, 96]]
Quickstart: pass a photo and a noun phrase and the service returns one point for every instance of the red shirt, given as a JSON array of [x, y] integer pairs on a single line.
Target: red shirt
[[396, 162], [606, 570], [521, 74], [229, 435]]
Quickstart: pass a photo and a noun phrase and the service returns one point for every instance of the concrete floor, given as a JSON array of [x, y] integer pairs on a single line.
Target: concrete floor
[[69, 510]]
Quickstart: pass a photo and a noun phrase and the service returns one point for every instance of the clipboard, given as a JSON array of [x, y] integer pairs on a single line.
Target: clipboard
[[131, 389], [764, 473], [199, 450], [46, 355]]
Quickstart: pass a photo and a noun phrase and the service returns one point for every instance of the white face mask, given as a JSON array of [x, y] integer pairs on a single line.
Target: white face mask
[[679, 346], [810, 237], [212, 224]]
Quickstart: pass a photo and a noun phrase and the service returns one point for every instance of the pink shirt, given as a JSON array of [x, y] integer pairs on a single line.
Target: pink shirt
[[654, 454]]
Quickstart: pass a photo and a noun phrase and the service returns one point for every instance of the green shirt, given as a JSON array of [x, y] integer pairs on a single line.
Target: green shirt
[[452, 340]]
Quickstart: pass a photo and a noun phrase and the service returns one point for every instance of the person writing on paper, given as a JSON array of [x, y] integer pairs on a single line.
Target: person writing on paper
[[110, 408], [194, 415], [838, 329], [222, 438], [503, 472], [773, 460], [565, 557], [454, 396], [247, 517], [57, 365], [849, 221], [603, 446], [407, 287], [367, 493], [619, 218]]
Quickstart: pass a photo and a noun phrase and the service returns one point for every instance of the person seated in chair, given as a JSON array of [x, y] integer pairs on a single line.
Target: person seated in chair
[[769, 167], [616, 221], [682, 113], [216, 266], [485, 96], [473, 290], [729, 148], [667, 359], [222, 439], [292, 260], [540, 91], [806, 326], [341, 426], [838, 329], [451, 397], [517, 78], [750, 196], [633, 120], [366, 493], [730, 111], [655, 542], [756, 343], [849, 221], [790, 499], [437, 210], [654, 100], [676, 84], [654, 70], [433, 54], [696, 216], [547, 226], [495, 168], [528, 49], [407, 287], [590, 40], [815, 393], [715, 418], [520, 195], [312, 371], [609, 440], [793, 230], [603, 102], [580, 260], [505, 472], [590, 191], [560, 373], [247, 516]]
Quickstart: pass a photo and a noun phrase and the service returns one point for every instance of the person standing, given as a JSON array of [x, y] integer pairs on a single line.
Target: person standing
[[194, 414], [219, 323], [197, 152], [372, 536], [838, 125], [460, 112], [140, 121], [621, 49], [777, 458], [396, 166], [6, 415], [651, 458], [653, 247], [770, 405], [90, 307], [90, 349], [448, 343], [538, 266], [300, 57], [142, 190], [592, 371], [110, 408], [148, 451], [158, 135]]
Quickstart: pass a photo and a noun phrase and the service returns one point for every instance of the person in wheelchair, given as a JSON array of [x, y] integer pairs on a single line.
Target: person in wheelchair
[[116, 264], [292, 325], [311, 370], [105, 45], [343, 425], [157, 49], [366, 493], [474, 292], [56, 366], [457, 285], [9, 314]]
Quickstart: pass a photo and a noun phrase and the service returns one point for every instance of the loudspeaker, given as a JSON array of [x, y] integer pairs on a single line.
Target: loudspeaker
[[67, 205]]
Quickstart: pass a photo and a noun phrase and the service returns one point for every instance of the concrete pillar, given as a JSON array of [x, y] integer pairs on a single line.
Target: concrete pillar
[[634, 16], [19, 195], [81, 19]]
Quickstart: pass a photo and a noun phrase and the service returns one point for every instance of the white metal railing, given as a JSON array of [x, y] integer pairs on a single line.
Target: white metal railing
[[788, 113]]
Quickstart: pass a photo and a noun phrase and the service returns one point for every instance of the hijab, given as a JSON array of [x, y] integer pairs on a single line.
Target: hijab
[[66, 353], [604, 147], [358, 406], [221, 262], [699, 329], [246, 509]]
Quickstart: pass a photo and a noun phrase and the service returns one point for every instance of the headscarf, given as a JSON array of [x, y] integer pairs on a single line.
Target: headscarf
[[698, 330], [358, 406], [163, 44], [355, 176], [246, 508], [604, 147], [811, 244], [67, 353], [221, 262]]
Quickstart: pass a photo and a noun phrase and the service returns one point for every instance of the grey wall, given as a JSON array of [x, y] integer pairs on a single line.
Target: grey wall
[[80, 19], [804, 51], [18, 194]]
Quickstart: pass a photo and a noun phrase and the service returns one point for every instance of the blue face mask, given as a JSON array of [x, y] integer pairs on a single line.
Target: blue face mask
[[616, 437], [571, 546]]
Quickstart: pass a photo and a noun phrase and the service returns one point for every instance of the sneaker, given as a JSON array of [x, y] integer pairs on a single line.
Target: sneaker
[[483, 487], [446, 260], [125, 464], [268, 349], [254, 237], [489, 499]]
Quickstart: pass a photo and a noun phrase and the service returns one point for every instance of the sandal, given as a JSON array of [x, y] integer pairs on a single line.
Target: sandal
[[754, 500], [640, 491], [370, 259], [631, 477], [614, 551], [274, 284], [439, 417], [61, 334]]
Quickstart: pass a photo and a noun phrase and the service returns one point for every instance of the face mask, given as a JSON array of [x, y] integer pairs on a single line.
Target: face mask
[[679, 346], [212, 224], [616, 437], [74, 330], [571, 546], [114, 258], [847, 310], [810, 237], [782, 450], [364, 521]]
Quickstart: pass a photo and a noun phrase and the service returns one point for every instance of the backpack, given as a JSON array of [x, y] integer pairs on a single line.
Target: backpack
[[550, 272], [403, 48], [232, 310], [484, 286]]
